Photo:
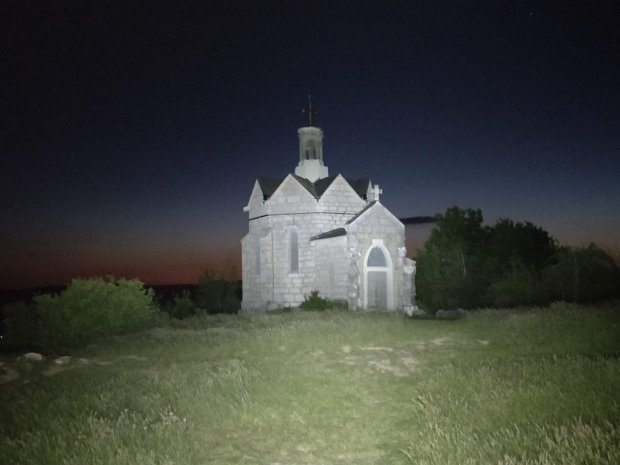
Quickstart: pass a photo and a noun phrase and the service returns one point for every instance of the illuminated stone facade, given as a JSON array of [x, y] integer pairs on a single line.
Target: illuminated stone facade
[[311, 231]]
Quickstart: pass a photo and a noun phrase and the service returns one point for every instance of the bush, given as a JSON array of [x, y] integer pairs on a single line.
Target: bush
[[182, 306], [519, 288], [86, 310], [338, 304], [218, 295], [23, 324], [314, 302], [583, 274]]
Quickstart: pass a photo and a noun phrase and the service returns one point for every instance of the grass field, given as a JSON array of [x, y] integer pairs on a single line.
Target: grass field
[[538, 386]]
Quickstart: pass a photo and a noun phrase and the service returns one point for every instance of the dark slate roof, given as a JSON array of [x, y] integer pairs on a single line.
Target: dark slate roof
[[329, 234], [419, 220], [317, 189], [321, 185], [368, 207], [268, 186], [309, 185], [360, 186]]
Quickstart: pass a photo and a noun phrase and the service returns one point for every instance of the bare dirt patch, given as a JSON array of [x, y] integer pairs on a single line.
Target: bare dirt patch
[[377, 349], [9, 373], [375, 359]]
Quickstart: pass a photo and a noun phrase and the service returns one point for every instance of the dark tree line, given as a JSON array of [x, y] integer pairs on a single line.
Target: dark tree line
[[465, 264]]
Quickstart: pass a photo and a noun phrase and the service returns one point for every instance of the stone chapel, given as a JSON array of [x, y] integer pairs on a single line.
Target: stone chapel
[[312, 231]]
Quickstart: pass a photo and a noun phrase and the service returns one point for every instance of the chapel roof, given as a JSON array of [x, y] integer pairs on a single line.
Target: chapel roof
[[368, 207], [360, 186], [343, 231], [329, 234], [317, 189], [268, 186]]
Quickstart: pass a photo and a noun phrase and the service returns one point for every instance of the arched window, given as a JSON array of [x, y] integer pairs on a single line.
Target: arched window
[[332, 280], [294, 250], [378, 279], [257, 255], [376, 257], [310, 150]]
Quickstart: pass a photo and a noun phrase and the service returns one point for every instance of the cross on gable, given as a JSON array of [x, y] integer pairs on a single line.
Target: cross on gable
[[376, 191]]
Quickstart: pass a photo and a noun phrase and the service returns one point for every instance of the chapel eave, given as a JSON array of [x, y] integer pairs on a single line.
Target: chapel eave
[[370, 206], [338, 232]]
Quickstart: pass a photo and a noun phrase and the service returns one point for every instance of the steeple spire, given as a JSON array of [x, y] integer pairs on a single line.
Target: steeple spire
[[311, 164], [310, 111]]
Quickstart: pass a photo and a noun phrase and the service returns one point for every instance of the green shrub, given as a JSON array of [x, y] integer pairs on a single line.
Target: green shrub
[[86, 310], [338, 304], [57, 329], [23, 324], [216, 294], [182, 306], [314, 302], [583, 274], [518, 288]]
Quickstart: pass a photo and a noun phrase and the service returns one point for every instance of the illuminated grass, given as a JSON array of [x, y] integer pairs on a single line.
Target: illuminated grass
[[528, 387]]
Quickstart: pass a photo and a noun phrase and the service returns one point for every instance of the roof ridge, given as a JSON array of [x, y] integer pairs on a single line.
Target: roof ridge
[[317, 188], [361, 212]]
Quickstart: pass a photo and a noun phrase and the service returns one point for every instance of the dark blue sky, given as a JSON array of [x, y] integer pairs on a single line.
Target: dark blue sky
[[132, 133]]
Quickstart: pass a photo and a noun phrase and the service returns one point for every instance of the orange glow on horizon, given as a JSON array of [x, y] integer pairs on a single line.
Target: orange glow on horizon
[[52, 270]]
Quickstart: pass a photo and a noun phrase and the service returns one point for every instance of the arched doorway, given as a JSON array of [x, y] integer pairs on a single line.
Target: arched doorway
[[377, 277]]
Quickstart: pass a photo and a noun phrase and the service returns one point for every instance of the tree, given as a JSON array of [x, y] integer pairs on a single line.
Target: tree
[[215, 294], [520, 245], [583, 274], [452, 264], [510, 264], [517, 254]]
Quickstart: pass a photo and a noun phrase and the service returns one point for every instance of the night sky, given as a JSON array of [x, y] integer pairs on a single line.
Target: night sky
[[132, 132]]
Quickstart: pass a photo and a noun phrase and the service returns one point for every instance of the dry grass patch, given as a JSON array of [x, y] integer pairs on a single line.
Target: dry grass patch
[[533, 387]]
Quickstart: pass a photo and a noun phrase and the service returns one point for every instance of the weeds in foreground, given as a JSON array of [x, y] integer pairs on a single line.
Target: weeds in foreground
[[528, 387]]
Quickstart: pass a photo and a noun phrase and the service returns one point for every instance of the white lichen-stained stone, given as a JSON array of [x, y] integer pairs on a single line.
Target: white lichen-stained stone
[[413, 310], [32, 357]]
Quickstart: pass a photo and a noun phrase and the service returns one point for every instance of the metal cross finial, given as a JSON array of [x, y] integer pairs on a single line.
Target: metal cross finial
[[311, 111]]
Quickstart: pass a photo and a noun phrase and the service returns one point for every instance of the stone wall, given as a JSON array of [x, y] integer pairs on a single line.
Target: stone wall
[[340, 197], [376, 223], [275, 285], [256, 205], [257, 278], [291, 197], [332, 266]]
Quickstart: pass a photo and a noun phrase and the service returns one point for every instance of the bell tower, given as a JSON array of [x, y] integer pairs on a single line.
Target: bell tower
[[311, 164]]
